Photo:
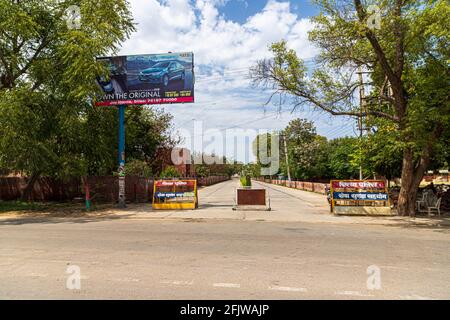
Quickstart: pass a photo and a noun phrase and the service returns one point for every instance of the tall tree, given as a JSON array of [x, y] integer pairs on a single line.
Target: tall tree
[[47, 81], [148, 132], [341, 158], [305, 150], [405, 46]]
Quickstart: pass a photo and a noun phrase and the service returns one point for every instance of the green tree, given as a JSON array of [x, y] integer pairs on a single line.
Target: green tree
[[407, 58], [381, 152], [306, 150], [233, 167], [170, 172], [147, 131], [138, 168], [47, 84], [202, 171], [262, 149], [340, 158]]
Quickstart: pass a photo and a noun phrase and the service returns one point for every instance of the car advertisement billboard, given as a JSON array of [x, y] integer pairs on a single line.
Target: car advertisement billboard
[[147, 79]]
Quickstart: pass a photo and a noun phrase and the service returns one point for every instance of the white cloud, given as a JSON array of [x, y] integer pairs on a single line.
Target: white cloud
[[183, 25], [223, 52]]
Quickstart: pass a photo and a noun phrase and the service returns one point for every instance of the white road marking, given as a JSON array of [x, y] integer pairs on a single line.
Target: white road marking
[[288, 289], [394, 268], [38, 275], [179, 283], [226, 285], [352, 293], [290, 262], [415, 297], [346, 265], [126, 280]]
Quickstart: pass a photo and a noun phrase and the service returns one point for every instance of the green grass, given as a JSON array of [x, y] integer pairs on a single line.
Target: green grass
[[52, 208], [6, 206], [11, 206]]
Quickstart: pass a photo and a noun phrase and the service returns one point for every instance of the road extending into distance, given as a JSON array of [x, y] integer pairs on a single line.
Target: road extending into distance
[[191, 255]]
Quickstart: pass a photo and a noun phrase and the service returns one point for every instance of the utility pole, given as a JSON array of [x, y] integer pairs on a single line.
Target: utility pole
[[362, 100], [287, 157], [122, 156]]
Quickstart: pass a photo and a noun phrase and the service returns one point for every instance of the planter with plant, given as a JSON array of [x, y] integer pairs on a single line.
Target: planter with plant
[[246, 182]]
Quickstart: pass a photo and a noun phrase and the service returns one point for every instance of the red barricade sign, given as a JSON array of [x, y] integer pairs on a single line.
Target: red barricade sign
[[366, 185]]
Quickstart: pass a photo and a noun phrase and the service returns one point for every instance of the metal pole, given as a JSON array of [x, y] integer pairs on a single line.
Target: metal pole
[[88, 195], [287, 158], [122, 156], [361, 105]]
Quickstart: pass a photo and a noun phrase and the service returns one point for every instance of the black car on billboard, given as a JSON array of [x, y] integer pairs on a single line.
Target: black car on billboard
[[163, 72]]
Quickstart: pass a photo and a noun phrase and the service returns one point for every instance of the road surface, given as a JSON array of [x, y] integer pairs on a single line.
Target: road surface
[[180, 258]]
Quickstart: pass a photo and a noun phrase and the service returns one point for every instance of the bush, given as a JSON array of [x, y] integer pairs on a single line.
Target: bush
[[170, 172], [202, 171], [138, 168], [246, 181]]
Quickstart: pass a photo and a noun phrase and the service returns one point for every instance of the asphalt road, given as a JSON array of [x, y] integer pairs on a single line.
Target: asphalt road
[[137, 258]]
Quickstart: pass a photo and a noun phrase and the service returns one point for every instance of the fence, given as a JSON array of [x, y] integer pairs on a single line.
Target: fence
[[436, 178], [102, 189], [300, 185]]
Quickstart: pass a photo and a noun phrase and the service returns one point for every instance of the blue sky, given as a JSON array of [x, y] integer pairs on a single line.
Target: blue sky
[[227, 37], [240, 10]]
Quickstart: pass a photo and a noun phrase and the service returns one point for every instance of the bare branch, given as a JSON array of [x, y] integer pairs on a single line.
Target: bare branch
[[44, 43], [394, 77], [375, 44]]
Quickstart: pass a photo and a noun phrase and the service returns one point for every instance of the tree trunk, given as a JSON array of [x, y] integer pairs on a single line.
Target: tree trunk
[[412, 176], [30, 186]]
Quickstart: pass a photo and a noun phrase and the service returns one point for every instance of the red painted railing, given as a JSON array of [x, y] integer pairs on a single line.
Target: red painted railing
[[300, 185]]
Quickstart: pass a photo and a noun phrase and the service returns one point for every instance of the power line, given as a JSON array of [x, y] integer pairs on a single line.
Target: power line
[[335, 130], [244, 123], [242, 70], [225, 72], [345, 131]]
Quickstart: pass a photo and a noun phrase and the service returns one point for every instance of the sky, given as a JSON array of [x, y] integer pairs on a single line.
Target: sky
[[227, 37]]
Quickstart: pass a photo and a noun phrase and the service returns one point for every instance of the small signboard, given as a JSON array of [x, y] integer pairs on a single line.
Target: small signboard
[[345, 184], [175, 195], [360, 197]]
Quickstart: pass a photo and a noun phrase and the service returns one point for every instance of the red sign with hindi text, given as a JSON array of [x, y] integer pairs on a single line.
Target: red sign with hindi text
[[366, 185]]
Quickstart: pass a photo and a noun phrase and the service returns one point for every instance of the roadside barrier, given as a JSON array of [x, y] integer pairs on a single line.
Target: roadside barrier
[[299, 185], [102, 189]]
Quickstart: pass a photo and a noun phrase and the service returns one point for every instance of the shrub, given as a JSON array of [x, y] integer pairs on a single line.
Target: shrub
[[138, 168], [170, 172], [246, 181]]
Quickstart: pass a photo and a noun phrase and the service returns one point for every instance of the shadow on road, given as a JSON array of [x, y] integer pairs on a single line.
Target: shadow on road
[[55, 220], [75, 214], [431, 224]]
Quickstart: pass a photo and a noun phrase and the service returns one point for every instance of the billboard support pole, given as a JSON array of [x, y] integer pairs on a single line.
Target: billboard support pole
[[122, 156]]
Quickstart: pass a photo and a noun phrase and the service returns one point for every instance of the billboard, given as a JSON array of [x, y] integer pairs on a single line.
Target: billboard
[[147, 79]]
